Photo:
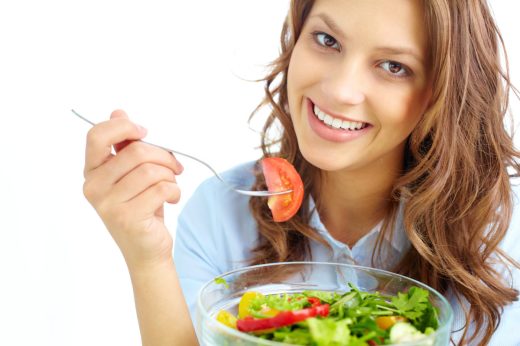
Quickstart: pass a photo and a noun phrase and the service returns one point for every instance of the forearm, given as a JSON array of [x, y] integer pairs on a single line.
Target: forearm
[[161, 309]]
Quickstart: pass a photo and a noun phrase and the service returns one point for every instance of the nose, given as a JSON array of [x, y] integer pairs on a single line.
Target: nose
[[344, 84]]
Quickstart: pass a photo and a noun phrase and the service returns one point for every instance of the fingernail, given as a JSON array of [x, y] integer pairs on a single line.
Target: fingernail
[[180, 166]]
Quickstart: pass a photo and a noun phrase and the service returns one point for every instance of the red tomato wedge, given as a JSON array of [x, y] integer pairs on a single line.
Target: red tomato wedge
[[280, 175], [284, 318]]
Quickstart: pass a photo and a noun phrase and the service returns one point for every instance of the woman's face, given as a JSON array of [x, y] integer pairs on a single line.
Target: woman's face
[[357, 82]]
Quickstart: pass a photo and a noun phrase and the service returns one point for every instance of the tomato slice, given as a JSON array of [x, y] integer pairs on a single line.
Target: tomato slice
[[284, 318], [280, 175]]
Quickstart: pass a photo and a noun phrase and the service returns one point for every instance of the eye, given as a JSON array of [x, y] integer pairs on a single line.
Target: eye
[[325, 40], [395, 69]]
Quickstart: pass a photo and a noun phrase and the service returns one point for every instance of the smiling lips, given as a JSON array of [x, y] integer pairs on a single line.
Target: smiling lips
[[334, 128], [337, 123]]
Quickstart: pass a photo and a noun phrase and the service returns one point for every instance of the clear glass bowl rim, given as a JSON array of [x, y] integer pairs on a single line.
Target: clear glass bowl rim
[[247, 337]]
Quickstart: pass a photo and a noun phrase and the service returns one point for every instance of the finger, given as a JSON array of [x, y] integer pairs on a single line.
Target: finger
[[143, 152], [154, 197], [119, 113], [99, 188], [178, 168], [103, 136], [100, 181], [120, 146], [132, 156], [140, 179]]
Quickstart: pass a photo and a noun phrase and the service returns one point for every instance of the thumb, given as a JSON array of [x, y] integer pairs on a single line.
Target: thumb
[[119, 113]]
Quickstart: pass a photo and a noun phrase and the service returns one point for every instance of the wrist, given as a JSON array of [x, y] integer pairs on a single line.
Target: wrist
[[149, 266]]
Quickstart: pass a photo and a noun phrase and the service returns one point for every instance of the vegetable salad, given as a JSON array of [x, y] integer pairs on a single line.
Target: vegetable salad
[[322, 318]]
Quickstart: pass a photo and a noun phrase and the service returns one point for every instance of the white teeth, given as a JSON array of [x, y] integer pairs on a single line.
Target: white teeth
[[319, 113], [345, 125], [328, 119], [335, 122]]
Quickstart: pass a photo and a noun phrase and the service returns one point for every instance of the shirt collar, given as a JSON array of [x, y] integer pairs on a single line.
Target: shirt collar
[[397, 239]]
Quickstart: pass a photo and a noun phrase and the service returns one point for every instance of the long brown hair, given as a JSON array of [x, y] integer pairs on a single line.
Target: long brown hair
[[456, 185]]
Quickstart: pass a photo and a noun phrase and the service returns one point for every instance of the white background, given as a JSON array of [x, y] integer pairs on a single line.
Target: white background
[[178, 68]]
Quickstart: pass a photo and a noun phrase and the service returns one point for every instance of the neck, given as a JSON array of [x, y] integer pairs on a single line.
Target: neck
[[353, 202]]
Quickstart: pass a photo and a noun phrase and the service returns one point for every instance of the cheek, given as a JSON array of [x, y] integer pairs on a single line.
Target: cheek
[[295, 77], [299, 76], [402, 109]]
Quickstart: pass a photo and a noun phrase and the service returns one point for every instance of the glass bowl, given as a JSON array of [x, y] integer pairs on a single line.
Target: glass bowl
[[294, 277]]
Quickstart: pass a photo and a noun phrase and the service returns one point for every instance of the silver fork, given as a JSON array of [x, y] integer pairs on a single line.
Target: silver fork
[[244, 192]]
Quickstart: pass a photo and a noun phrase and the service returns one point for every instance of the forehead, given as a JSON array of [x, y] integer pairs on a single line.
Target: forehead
[[378, 22]]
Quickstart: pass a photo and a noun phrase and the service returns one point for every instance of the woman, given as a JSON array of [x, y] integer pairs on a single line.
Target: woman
[[392, 113]]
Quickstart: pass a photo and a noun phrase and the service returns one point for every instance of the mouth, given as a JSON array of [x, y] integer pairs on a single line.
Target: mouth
[[337, 123]]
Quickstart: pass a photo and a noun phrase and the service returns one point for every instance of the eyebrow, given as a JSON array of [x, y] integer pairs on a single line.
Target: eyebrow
[[386, 49], [330, 23], [401, 51]]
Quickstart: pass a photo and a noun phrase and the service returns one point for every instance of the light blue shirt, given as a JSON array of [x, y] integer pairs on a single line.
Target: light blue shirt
[[216, 233]]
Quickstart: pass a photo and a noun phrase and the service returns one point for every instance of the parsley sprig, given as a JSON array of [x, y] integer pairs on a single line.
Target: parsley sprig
[[415, 306]]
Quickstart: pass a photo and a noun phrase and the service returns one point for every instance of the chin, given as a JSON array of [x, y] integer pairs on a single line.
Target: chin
[[327, 163]]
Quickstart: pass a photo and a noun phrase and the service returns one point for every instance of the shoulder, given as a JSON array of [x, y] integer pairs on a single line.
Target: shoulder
[[242, 175], [216, 222], [511, 242], [213, 197], [515, 189], [215, 232]]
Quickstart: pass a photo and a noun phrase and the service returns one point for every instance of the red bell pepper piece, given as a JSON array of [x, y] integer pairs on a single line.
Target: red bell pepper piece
[[282, 319], [314, 301]]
